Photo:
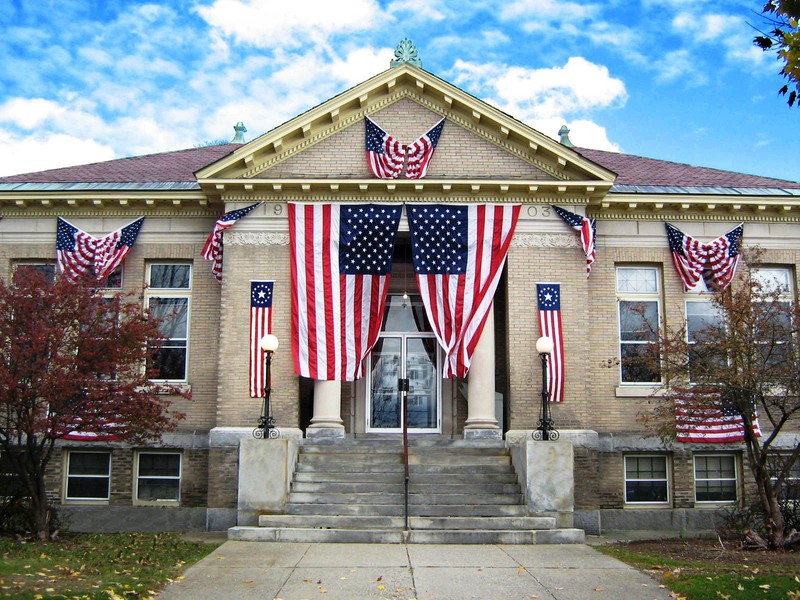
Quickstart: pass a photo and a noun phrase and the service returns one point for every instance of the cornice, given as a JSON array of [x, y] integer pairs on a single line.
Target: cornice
[[108, 204], [690, 207]]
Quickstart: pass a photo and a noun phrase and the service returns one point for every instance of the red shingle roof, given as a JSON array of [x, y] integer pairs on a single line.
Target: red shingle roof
[[636, 170], [179, 165]]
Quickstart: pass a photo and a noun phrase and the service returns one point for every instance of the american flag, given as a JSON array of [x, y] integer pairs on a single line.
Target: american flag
[[548, 296], [260, 325], [709, 420], [341, 259], [112, 249], [385, 155], [420, 152], [213, 249], [715, 261], [74, 250], [79, 253], [588, 231], [458, 254], [101, 431]]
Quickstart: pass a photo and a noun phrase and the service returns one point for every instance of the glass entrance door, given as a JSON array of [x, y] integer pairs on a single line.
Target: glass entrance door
[[404, 350]]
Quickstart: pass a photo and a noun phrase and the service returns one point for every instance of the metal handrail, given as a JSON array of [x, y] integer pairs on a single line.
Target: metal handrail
[[402, 386]]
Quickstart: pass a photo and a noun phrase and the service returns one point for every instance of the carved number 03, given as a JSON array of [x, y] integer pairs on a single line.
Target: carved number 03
[[539, 211]]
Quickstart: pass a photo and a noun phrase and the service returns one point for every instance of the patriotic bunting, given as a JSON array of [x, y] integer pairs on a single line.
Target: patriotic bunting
[[715, 261], [709, 420], [588, 231], [341, 260], [548, 296], [458, 254], [420, 152], [79, 253], [260, 325], [213, 249], [385, 155]]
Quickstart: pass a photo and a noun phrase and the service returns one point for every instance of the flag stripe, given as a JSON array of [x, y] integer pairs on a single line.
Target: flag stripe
[[551, 325], [213, 248], [708, 424]]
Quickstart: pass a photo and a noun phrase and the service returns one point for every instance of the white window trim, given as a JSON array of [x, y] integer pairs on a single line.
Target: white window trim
[[137, 477], [173, 293], [633, 296], [736, 475], [668, 501], [67, 477]]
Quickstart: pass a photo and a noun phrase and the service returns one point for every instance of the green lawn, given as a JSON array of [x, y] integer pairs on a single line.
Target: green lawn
[[95, 566], [726, 576]]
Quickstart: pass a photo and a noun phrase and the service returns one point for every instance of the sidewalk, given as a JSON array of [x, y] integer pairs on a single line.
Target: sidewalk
[[296, 571]]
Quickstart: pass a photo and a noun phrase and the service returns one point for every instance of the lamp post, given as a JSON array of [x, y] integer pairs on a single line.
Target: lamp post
[[546, 430], [266, 422]]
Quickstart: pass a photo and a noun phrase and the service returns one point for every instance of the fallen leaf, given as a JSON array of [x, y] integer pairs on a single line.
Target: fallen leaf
[[765, 586], [380, 578], [521, 570], [381, 587], [599, 590], [740, 587], [248, 581]]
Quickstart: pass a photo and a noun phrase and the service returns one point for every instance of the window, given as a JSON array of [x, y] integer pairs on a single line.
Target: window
[[702, 315], [639, 316], [774, 326], [88, 475], [11, 484], [158, 477], [46, 268], [715, 478], [168, 294], [646, 480], [790, 491], [114, 279]]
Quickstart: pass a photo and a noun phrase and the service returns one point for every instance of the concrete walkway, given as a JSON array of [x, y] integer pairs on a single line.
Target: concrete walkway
[[295, 571]]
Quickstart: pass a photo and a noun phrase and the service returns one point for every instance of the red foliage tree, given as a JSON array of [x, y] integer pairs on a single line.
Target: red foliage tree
[[74, 361]]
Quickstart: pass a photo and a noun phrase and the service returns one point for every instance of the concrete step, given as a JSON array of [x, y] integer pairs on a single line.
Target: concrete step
[[384, 498], [347, 467], [344, 477], [354, 461], [337, 487], [398, 522], [392, 536], [481, 523], [458, 469], [448, 510]]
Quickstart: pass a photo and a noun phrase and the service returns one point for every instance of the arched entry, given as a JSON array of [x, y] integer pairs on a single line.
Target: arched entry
[[407, 349]]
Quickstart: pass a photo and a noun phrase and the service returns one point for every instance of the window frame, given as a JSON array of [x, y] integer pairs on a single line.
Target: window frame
[[787, 296], [667, 479], [736, 478], [642, 297], [68, 477], [137, 476], [152, 293]]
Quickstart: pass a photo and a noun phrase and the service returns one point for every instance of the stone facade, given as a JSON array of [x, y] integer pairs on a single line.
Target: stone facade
[[482, 156]]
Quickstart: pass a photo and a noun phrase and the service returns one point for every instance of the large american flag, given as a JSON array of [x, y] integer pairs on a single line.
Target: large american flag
[[709, 420], [548, 298], [341, 260], [588, 230], [213, 248], [715, 261], [260, 325], [420, 152], [79, 253], [385, 155], [458, 254]]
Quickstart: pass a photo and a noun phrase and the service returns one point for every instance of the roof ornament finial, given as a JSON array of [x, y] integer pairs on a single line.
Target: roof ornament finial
[[239, 128], [406, 52], [563, 134]]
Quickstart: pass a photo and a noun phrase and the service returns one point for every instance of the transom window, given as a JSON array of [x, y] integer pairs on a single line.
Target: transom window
[[639, 317], [646, 479], [88, 475], [715, 478], [168, 298]]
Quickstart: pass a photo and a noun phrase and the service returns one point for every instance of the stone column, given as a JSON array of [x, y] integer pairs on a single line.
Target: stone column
[[327, 419], [481, 421]]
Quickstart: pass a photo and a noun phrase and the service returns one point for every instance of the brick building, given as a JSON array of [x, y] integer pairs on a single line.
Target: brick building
[[619, 479]]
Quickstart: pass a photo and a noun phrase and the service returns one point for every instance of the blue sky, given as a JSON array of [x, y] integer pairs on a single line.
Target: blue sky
[[89, 80]]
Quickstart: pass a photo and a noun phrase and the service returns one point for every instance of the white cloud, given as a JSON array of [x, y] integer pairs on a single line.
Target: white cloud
[[28, 113], [23, 155], [582, 132], [267, 23], [540, 11], [578, 86]]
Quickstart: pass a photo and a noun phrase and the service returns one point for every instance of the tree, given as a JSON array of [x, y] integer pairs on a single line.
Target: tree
[[783, 16], [73, 361], [739, 363]]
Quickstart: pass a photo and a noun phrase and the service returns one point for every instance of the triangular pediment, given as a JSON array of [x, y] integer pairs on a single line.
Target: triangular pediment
[[482, 149]]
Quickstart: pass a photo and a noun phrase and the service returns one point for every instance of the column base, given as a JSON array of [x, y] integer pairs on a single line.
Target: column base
[[483, 434], [325, 432]]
